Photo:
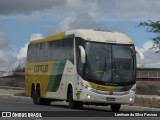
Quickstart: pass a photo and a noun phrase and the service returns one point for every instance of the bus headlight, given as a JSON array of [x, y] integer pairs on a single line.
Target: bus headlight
[[88, 87]]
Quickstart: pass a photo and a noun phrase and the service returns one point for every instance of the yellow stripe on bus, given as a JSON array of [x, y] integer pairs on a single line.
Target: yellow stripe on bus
[[100, 87], [110, 88], [51, 38], [39, 73]]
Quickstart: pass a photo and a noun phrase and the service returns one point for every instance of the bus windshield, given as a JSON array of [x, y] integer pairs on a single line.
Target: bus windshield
[[111, 64]]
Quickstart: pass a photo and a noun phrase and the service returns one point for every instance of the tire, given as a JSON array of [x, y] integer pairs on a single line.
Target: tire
[[33, 95], [46, 102], [70, 99], [39, 100], [79, 104], [115, 107], [38, 96], [73, 104]]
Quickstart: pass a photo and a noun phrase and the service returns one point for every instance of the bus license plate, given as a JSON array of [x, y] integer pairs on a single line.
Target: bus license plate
[[110, 99]]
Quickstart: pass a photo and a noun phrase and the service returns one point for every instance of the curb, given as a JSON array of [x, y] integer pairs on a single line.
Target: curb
[[143, 108], [147, 101], [15, 96]]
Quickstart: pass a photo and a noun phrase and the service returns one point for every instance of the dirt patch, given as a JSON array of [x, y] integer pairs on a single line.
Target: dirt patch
[[12, 82], [147, 101], [147, 88]]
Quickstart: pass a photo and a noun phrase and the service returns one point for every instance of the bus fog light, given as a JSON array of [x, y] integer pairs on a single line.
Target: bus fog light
[[88, 96], [130, 99]]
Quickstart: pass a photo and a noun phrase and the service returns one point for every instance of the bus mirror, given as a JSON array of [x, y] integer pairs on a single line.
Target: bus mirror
[[82, 54], [141, 57]]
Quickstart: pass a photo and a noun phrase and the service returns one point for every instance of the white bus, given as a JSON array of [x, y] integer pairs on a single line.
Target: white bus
[[82, 67]]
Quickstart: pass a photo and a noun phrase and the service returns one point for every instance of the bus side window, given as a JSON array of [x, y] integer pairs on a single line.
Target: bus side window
[[29, 53]]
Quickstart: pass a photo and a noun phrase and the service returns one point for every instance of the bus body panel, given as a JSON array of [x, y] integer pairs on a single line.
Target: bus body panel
[[54, 77], [102, 98], [63, 73]]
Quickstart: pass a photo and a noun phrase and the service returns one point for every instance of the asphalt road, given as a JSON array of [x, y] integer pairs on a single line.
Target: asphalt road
[[20, 104]]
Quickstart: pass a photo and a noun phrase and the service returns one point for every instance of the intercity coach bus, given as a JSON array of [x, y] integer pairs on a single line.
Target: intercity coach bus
[[82, 67]]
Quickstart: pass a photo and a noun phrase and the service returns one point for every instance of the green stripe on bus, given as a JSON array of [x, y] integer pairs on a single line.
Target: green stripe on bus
[[56, 75]]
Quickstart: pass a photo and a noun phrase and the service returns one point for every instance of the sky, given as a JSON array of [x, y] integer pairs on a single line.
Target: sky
[[23, 20]]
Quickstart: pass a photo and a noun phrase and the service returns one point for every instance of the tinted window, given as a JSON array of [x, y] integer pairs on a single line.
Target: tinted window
[[58, 50]]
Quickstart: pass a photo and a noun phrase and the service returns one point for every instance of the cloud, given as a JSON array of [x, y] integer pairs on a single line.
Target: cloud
[[5, 59], [64, 25], [147, 46], [132, 10], [73, 14], [85, 17], [23, 50], [106, 9], [7, 62], [27, 6], [3, 39], [150, 57]]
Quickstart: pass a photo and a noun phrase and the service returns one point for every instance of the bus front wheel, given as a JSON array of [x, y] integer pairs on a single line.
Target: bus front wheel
[[115, 107], [73, 104], [39, 100], [70, 99]]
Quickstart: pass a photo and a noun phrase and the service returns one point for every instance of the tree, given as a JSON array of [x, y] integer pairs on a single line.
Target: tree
[[19, 69], [153, 27]]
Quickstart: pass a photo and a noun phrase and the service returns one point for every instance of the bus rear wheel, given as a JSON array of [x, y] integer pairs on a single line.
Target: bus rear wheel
[[33, 95], [115, 107], [40, 100], [38, 96]]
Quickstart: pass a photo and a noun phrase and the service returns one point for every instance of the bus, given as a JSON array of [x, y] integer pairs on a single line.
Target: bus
[[82, 67]]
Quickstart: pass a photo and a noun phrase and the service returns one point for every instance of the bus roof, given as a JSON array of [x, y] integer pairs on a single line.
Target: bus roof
[[90, 35]]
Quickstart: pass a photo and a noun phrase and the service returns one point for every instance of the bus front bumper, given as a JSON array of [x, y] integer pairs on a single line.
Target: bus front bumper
[[113, 98]]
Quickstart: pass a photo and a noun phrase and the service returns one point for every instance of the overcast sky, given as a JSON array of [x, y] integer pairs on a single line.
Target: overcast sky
[[19, 19]]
